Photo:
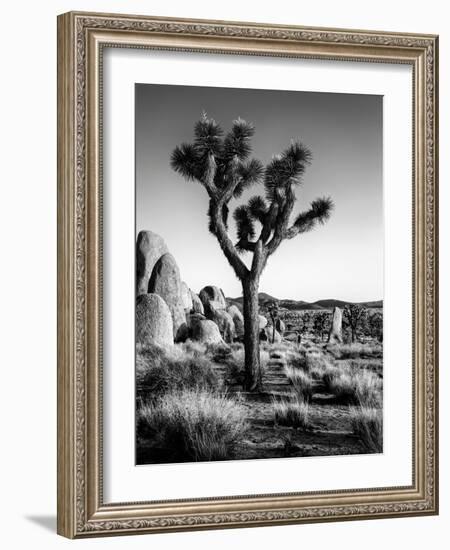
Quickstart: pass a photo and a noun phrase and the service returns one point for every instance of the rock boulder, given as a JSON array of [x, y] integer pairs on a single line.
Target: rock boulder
[[238, 319], [153, 321], [214, 296], [149, 249], [165, 281], [186, 297], [197, 306], [206, 332]]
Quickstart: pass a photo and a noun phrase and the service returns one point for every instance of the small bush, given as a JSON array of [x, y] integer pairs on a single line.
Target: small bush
[[192, 425], [293, 412], [367, 423], [302, 383]]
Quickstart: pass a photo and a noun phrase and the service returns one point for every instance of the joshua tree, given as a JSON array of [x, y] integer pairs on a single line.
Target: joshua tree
[[375, 325], [272, 309], [222, 164], [354, 314], [305, 319], [321, 320]]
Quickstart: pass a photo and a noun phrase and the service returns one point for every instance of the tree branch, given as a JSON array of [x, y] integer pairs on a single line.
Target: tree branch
[[217, 227]]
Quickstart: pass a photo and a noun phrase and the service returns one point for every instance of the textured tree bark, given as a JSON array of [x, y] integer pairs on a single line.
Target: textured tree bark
[[253, 377]]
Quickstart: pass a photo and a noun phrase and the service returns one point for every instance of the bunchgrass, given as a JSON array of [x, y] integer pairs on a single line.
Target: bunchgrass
[[367, 424], [159, 371], [302, 383], [356, 350], [192, 425], [291, 412], [353, 386]]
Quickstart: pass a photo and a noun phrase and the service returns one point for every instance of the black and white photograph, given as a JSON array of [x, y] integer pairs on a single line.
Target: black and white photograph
[[259, 274]]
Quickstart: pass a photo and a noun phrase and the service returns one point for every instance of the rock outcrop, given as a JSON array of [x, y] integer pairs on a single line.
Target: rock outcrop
[[212, 296], [206, 332], [186, 297], [335, 334], [197, 306], [153, 321], [238, 319], [165, 281], [225, 323], [149, 249], [262, 322]]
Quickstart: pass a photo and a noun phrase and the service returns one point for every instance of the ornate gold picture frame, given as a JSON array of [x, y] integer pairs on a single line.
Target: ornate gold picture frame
[[82, 39]]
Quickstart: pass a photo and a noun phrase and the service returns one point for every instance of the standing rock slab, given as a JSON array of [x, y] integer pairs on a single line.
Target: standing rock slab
[[206, 332], [238, 319], [197, 306], [153, 321], [165, 281], [212, 296], [149, 249], [335, 334]]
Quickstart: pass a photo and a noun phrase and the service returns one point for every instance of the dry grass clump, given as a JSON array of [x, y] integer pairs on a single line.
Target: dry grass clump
[[301, 382], [367, 423], [192, 425], [292, 412], [354, 386], [356, 350], [191, 347], [159, 371], [235, 361]]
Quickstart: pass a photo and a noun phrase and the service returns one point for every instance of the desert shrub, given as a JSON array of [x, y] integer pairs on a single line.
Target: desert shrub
[[291, 412], [192, 425], [356, 350], [160, 371], [302, 383], [367, 424]]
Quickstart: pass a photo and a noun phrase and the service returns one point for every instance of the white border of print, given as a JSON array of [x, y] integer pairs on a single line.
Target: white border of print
[[125, 482]]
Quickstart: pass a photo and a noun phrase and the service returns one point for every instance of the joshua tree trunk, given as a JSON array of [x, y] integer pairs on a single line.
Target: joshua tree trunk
[[253, 378]]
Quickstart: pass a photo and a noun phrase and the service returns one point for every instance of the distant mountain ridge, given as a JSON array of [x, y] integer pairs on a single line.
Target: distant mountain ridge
[[302, 305]]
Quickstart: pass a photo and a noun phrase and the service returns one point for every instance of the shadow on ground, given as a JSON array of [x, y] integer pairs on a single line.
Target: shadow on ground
[[46, 522]]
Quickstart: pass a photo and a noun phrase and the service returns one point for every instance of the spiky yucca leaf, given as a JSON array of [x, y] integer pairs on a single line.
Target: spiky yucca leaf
[[322, 208], [285, 169], [298, 153], [237, 140], [258, 208], [208, 135], [244, 224], [186, 161], [319, 212], [249, 173]]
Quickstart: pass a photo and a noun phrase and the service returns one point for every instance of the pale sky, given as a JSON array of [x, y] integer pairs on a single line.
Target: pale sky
[[342, 259]]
